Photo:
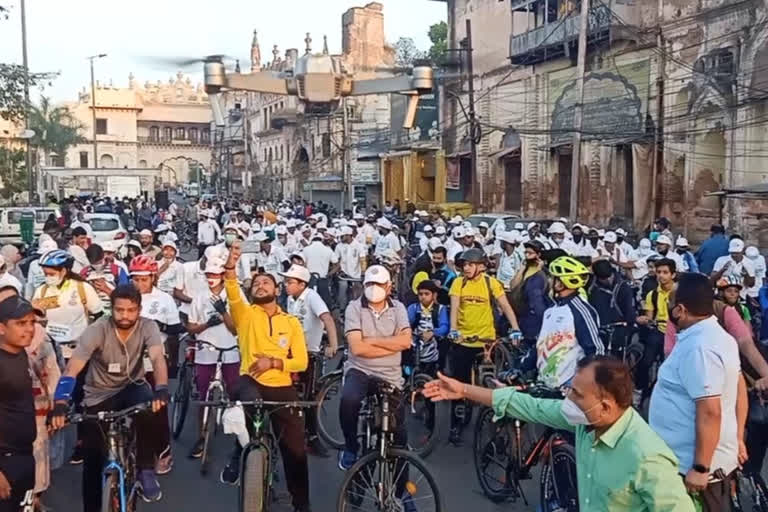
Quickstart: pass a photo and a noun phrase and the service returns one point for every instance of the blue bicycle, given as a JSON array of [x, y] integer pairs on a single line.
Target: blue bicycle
[[120, 488]]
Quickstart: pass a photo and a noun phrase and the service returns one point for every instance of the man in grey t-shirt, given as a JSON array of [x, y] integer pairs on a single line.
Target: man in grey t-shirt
[[377, 331]]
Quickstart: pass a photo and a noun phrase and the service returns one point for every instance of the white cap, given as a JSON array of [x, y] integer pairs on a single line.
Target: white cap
[[610, 237], [736, 245], [752, 252], [214, 266], [457, 232], [519, 226], [231, 226], [466, 224], [427, 228], [440, 230], [645, 243], [298, 254], [135, 243], [321, 225], [260, 237], [48, 245], [434, 243], [469, 231], [358, 216], [376, 274], [423, 213], [531, 225], [681, 242], [345, 230], [214, 252], [621, 232], [557, 228], [162, 227], [382, 222], [171, 244], [292, 223], [506, 236], [663, 239], [281, 230], [297, 272], [456, 219], [601, 233], [483, 225], [145, 232]]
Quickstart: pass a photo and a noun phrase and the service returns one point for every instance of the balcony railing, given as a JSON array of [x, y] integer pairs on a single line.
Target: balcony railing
[[546, 42], [204, 141]]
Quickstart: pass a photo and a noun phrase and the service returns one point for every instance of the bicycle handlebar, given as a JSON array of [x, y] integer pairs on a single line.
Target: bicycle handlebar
[[110, 416], [210, 346], [297, 404]]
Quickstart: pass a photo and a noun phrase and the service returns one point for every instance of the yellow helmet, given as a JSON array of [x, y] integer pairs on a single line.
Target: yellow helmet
[[573, 273]]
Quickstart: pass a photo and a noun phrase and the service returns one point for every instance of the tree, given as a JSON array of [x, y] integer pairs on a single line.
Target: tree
[[438, 34], [13, 172], [56, 129], [406, 52]]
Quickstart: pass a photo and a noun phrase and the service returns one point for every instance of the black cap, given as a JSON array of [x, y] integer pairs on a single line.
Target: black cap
[[16, 307]]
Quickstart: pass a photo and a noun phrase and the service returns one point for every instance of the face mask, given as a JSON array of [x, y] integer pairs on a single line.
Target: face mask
[[53, 280], [438, 266], [619, 239], [664, 252], [573, 413], [229, 239], [98, 267], [681, 251], [577, 238], [214, 282], [375, 294]]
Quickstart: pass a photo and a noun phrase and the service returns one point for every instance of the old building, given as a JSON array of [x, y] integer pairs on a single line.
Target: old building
[[681, 77]]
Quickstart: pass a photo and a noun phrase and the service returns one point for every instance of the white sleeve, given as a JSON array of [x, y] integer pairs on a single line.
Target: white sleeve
[[317, 305], [195, 313], [395, 244], [334, 257], [172, 316], [92, 300], [719, 263], [749, 267]]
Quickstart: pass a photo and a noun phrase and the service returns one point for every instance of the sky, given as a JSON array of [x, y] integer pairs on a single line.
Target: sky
[[62, 33]]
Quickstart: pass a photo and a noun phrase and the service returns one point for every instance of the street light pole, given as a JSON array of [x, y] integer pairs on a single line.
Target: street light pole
[[93, 109], [28, 156]]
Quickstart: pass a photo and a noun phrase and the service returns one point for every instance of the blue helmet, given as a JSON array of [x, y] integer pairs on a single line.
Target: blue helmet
[[57, 258]]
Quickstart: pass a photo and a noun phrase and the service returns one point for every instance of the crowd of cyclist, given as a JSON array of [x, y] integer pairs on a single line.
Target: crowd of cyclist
[[99, 325]]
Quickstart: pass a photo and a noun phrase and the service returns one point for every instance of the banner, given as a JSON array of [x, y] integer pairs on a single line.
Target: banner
[[452, 173]]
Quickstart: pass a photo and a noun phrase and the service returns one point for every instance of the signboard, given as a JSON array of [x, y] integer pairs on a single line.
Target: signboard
[[426, 126], [365, 171], [452, 173]]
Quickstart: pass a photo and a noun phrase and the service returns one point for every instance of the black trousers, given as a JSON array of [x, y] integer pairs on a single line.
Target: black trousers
[[357, 386], [459, 366], [308, 380], [19, 470], [654, 347], [288, 427], [94, 440], [716, 497], [757, 445]]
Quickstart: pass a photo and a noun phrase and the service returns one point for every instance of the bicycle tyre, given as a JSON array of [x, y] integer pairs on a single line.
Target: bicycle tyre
[[110, 494], [209, 429], [552, 491], [324, 430], [180, 400], [254, 474], [496, 494], [392, 454], [424, 404], [501, 357]]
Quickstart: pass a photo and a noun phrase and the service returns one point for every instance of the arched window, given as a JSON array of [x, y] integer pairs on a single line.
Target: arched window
[[206, 136], [154, 133], [270, 155], [193, 135], [106, 160]]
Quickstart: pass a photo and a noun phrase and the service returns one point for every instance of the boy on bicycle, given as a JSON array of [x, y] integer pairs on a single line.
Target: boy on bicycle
[[430, 324]]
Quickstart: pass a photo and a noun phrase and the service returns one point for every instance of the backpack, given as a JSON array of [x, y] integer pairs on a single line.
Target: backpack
[[615, 296], [517, 296], [80, 292], [491, 298], [435, 316]]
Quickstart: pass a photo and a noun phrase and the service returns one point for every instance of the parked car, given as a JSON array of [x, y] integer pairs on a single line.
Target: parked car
[[10, 216], [107, 226], [509, 219]]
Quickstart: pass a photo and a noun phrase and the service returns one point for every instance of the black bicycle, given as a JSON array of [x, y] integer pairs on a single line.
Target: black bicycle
[[186, 390], [507, 450], [385, 478], [749, 493]]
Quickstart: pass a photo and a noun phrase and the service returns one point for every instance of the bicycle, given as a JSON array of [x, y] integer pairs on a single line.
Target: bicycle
[[504, 456], [120, 486], [421, 417], [749, 489], [216, 392], [257, 461], [382, 479], [185, 390], [606, 333]]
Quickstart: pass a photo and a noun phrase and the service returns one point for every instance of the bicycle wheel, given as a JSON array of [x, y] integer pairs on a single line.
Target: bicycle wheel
[[328, 422], [395, 483], [254, 479], [180, 400], [558, 479], [494, 454], [502, 360], [420, 418], [110, 493], [209, 428]]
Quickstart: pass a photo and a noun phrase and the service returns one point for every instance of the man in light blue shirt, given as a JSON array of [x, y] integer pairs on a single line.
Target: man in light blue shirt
[[693, 405]]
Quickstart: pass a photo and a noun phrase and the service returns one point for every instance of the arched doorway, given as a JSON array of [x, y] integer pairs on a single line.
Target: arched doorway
[[106, 160]]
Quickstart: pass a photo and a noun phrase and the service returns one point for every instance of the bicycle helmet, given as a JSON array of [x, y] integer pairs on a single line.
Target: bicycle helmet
[[142, 265], [570, 271], [727, 282], [58, 258], [473, 256]]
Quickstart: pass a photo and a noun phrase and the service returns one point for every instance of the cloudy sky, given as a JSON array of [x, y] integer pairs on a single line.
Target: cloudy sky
[[62, 33]]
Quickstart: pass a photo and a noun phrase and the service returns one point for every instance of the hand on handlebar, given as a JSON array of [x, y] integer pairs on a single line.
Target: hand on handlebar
[[57, 418], [515, 336], [161, 399], [214, 321], [454, 336]]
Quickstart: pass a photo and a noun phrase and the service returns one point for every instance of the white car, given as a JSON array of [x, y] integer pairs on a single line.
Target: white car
[[107, 227]]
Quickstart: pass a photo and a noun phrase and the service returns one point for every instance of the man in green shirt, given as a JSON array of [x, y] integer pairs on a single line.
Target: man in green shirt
[[622, 465]]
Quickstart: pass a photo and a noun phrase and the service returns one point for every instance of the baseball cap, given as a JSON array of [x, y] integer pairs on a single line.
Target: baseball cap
[[169, 243], [135, 243], [214, 266], [298, 254], [483, 225], [457, 232], [736, 245], [297, 272], [384, 223], [376, 274], [531, 225], [440, 230], [557, 228], [16, 307], [681, 242], [519, 226], [345, 230], [145, 232], [358, 216], [281, 230], [610, 237], [663, 239], [434, 243], [427, 228], [621, 232], [752, 252]]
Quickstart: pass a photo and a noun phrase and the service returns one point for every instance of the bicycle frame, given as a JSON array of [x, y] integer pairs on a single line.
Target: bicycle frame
[[115, 461]]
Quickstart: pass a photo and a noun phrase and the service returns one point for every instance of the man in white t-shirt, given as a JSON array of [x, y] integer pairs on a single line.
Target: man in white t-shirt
[[269, 259], [352, 259], [210, 321], [757, 259], [735, 267], [208, 232], [6, 279], [305, 304], [170, 273], [388, 241], [321, 260]]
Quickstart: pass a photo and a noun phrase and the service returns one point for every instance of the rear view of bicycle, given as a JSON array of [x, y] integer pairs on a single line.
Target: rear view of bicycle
[[386, 478]]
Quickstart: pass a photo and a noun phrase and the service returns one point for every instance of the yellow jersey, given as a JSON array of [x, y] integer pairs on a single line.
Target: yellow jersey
[[662, 302], [475, 315]]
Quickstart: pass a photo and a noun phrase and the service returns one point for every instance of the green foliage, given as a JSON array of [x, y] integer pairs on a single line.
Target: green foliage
[[438, 34], [56, 129], [406, 52], [13, 171]]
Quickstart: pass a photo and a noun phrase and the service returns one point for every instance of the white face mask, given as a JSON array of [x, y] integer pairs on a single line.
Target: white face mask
[[573, 413], [53, 280], [375, 294]]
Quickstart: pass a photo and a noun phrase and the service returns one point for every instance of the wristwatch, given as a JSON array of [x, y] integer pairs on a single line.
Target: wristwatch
[[700, 468]]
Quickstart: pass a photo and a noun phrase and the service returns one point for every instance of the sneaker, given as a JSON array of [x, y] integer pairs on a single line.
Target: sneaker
[[316, 447], [77, 455], [346, 460], [231, 472], [455, 437], [408, 503], [164, 462], [149, 487], [197, 450]]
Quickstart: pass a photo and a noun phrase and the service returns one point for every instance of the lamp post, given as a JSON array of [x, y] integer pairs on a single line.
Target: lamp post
[[93, 109], [28, 156]]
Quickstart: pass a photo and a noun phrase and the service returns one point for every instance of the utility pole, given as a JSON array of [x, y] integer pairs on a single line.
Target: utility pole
[[658, 136], [347, 175], [28, 156], [476, 180], [93, 109], [581, 64]]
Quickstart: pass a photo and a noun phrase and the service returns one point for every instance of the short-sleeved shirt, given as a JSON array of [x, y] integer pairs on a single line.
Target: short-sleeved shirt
[[219, 335], [171, 278], [68, 317], [349, 256], [476, 315], [704, 363], [388, 242], [158, 305], [389, 322], [113, 364], [660, 307], [17, 404], [319, 258], [194, 283], [736, 269], [308, 307]]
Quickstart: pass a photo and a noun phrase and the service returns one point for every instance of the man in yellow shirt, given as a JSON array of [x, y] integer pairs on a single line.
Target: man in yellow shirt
[[474, 297], [272, 346]]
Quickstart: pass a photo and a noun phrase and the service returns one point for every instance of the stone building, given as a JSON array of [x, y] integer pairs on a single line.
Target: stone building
[[683, 77]]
